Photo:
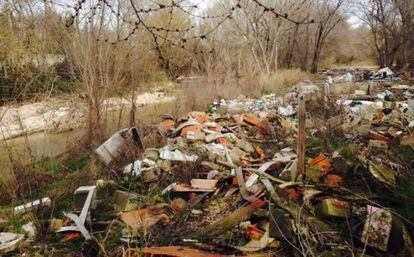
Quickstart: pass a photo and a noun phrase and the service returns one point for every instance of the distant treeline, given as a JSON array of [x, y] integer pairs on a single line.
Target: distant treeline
[[48, 47]]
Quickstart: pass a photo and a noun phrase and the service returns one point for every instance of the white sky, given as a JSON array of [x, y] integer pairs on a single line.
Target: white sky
[[355, 22]]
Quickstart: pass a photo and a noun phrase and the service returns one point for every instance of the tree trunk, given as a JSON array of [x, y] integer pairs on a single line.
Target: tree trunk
[[304, 62], [317, 50], [94, 120], [315, 61], [292, 47]]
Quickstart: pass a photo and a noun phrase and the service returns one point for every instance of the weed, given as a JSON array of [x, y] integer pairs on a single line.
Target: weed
[[79, 163], [17, 225], [336, 143], [406, 154], [61, 206], [105, 206]]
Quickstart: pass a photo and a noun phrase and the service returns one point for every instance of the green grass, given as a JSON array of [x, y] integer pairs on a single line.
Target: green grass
[[58, 170], [105, 203], [336, 143], [61, 205], [406, 154], [50, 167], [53, 166], [79, 163], [17, 224]]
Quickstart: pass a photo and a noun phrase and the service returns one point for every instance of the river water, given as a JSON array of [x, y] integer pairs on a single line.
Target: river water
[[38, 145]]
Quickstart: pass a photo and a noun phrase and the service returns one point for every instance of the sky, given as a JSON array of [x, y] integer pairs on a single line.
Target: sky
[[354, 21]]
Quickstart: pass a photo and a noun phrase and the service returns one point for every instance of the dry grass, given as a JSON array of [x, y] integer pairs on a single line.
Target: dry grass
[[280, 81], [364, 64], [199, 92]]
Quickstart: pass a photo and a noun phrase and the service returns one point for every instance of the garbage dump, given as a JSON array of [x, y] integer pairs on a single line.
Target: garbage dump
[[228, 182]]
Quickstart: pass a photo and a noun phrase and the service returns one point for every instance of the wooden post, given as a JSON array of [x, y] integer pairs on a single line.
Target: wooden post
[[301, 134]]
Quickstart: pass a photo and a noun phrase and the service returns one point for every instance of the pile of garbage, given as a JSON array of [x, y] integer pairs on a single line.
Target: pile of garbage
[[228, 183], [350, 75]]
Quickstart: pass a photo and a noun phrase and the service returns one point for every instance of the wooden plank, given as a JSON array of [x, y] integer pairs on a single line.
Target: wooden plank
[[301, 134]]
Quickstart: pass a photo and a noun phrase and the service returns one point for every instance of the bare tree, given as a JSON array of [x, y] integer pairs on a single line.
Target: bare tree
[[329, 19], [405, 9], [391, 23]]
